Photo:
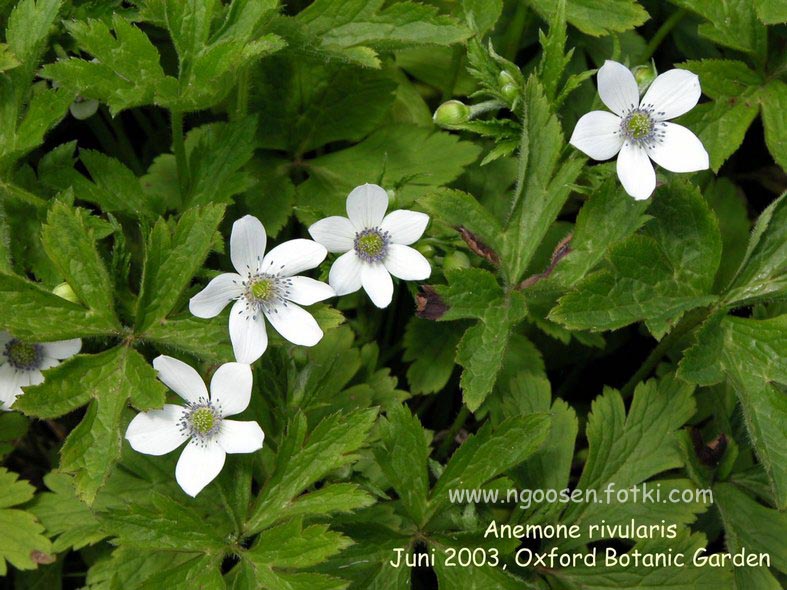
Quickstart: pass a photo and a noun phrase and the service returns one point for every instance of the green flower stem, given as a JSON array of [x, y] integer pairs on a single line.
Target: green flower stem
[[242, 94], [12, 191], [456, 63], [125, 149], [662, 32], [179, 147]]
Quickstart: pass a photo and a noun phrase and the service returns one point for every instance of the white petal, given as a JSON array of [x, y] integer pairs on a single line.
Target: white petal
[[247, 333], [335, 233], [635, 172], [180, 378], [679, 150], [209, 302], [240, 437], [5, 338], [617, 87], [345, 274], [306, 291], [295, 324], [405, 227], [407, 263], [366, 206], [198, 466], [62, 349], [673, 93], [157, 432], [598, 135], [247, 244], [10, 385], [377, 283], [230, 388], [293, 257], [47, 363]]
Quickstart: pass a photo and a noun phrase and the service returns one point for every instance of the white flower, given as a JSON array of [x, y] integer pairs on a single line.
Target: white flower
[[639, 129], [265, 287], [374, 245], [21, 363], [202, 419]]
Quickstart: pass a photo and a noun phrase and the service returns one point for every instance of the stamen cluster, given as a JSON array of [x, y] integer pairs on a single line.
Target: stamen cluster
[[201, 420], [22, 355], [371, 245], [641, 128]]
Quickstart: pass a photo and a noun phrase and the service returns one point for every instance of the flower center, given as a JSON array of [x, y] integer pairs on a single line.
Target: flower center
[[263, 288], [640, 128], [371, 245], [201, 420], [639, 125], [24, 356], [263, 292]]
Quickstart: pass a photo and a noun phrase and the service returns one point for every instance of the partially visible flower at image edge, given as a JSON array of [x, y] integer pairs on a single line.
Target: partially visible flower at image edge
[[21, 363], [265, 287], [638, 129], [202, 421], [373, 245]]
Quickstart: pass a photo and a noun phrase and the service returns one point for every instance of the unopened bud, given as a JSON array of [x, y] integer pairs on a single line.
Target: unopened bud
[[426, 249], [83, 108], [65, 291], [451, 113], [644, 75]]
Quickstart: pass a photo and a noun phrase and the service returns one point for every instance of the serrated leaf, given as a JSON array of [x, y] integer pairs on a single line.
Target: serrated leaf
[[656, 275], [206, 339], [293, 546], [302, 460], [172, 256], [41, 316], [22, 533], [71, 245], [489, 453], [108, 379], [596, 17], [730, 24], [774, 103], [430, 348], [402, 455]]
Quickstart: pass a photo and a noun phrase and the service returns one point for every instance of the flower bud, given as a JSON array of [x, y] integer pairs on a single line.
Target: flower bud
[[644, 75], [456, 260], [83, 108], [426, 249], [64, 291], [451, 113], [504, 78]]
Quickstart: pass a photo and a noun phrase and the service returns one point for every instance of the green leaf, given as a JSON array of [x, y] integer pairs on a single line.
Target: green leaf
[[402, 455], [553, 60], [482, 349], [489, 453], [22, 534], [469, 293], [217, 153], [751, 356], [596, 17], [356, 29], [293, 546], [647, 577], [774, 103], [108, 379], [27, 30], [771, 12], [205, 339], [409, 159], [724, 78], [656, 275], [542, 186], [763, 272], [303, 460], [731, 24], [71, 245], [172, 257], [304, 105], [481, 15], [126, 71], [750, 525], [430, 348], [456, 208], [627, 449], [41, 316], [729, 205]]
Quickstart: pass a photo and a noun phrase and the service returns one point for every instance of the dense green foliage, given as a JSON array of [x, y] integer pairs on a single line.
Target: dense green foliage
[[569, 336]]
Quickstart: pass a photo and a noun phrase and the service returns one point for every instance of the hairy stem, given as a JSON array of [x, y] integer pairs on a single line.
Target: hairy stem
[[179, 147], [459, 422], [662, 32]]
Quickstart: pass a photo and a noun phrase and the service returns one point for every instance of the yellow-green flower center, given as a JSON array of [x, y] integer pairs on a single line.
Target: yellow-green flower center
[[23, 355], [639, 125], [262, 289], [371, 245], [203, 420]]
